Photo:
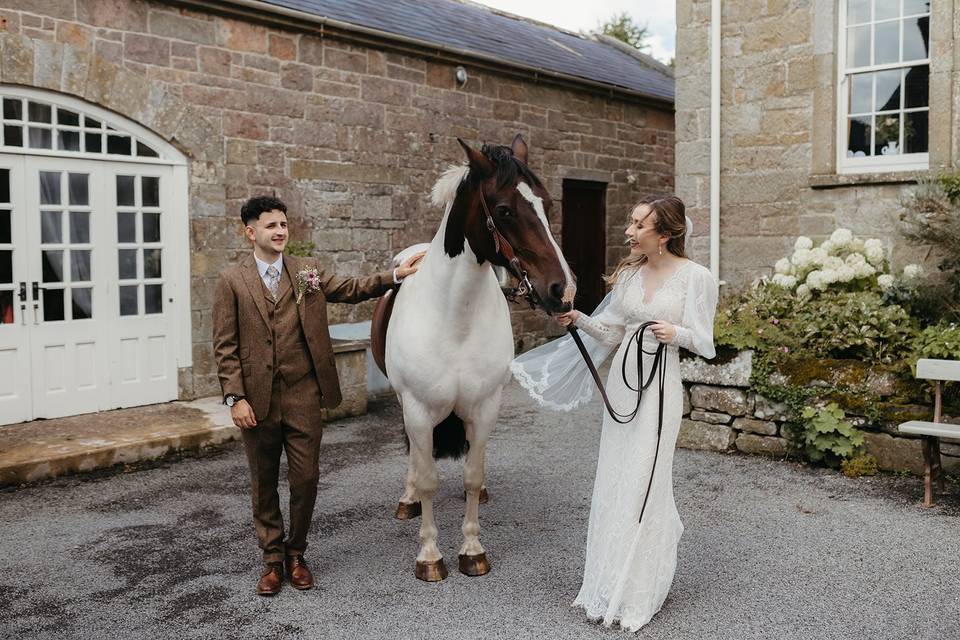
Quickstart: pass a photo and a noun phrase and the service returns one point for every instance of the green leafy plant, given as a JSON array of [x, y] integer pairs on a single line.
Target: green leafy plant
[[827, 436], [300, 248], [861, 464]]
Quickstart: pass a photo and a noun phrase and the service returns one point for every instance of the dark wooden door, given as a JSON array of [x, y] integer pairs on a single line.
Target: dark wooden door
[[584, 238]]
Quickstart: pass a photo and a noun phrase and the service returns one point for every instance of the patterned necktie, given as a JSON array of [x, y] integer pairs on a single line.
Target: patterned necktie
[[273, 281]]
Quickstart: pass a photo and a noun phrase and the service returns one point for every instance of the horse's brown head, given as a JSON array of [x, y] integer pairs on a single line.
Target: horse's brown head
[[501, 209]]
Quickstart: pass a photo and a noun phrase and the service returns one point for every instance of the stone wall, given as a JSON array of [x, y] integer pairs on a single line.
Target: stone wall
[[722, 414], [778, 120], [351, 136]]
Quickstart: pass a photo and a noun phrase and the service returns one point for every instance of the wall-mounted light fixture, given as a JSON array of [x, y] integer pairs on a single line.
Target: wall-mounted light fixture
[[461, 75]]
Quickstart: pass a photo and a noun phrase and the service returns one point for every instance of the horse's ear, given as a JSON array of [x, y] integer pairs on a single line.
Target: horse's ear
[[519, 148], [480, 166]]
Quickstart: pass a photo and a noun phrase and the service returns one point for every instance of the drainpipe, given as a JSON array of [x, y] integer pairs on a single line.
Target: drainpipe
[[715, 138]]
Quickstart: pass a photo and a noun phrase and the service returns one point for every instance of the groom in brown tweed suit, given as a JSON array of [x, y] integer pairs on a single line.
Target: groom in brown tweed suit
[[276, 368]]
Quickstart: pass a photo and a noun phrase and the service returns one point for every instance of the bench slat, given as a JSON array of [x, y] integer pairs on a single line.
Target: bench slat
[[939, 429], [933, 369]]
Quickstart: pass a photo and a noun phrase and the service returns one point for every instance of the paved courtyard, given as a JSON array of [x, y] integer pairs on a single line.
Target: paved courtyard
[[771, 549]]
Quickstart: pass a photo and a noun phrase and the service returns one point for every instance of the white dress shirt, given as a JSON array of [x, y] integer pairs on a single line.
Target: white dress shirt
[[263, 266]]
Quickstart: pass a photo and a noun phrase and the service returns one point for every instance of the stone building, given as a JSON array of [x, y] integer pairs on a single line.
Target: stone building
[[132, 130], [828, 110]]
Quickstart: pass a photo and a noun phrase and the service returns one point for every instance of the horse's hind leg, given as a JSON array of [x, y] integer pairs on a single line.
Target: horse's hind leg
[[419, 424], [408, 507], [473, 560]]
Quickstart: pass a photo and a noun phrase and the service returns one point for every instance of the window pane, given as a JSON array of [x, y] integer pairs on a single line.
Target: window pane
[[886, 43], [153, 298], [887, 135], [152, 263], [126, 227], [861, 93], [93, 142], [915, 132], [911, 7], [40, 138], [52, 266], [52, 305], [90, 123], [12, 109], [51, 227], [5, 232], [125, 196], [6, 307], [884, 9], [49, 187], [916, 38], [888, 90], [4, 185], [858, 137], [80, 227], [150, 191], [151, 227], [68, 140], [145, 151], [858, 46], [128, 300], [13, 136], [917, 91], [118, 145], [80, 265], [66, 117], [6, 267], [82, 303], [38, 112], [79, 193], [858, 11], [128, 264]]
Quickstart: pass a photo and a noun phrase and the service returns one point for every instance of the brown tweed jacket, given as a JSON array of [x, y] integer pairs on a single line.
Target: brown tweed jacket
[[242, 341]]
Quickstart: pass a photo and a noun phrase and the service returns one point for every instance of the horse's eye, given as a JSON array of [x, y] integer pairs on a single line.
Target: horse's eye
[[504, 211]]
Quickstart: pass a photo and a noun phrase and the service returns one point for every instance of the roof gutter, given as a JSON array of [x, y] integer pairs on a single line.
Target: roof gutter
[[259, 11]]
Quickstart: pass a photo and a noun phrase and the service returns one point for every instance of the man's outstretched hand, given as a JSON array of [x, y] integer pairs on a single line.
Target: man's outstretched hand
[[409, 267]]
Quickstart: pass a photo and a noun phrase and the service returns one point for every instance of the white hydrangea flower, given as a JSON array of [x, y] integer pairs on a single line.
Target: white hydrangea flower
[[846, 273], [788, 282], [782, 266], [801, 257], [829, 276], [855, 258], [815, 280], [828, 246], [912, 271], [833, 262], [841, 237], [818, 256], [855, 245], [864, 270], [885, 281], [875, 255], [873, 243], [803, 242], [803, 291]]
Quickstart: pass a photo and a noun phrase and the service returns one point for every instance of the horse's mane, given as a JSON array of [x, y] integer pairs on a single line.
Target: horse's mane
[[445, 190]]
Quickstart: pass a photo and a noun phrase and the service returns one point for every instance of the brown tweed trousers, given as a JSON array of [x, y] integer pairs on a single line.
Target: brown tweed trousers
[[278, 355]]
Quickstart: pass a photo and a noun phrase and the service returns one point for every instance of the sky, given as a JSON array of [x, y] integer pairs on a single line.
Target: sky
[[658, 15]]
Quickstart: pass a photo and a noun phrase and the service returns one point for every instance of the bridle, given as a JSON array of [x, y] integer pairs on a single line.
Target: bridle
[[524, 290]]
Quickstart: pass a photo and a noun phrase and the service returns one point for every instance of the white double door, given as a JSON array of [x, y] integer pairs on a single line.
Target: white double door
[[86, 315]]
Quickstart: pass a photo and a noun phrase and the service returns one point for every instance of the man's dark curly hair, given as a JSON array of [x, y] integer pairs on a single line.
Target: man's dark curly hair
[[253, 207]]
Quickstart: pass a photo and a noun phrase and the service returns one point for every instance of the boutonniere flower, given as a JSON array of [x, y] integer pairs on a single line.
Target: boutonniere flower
[[308, 281]]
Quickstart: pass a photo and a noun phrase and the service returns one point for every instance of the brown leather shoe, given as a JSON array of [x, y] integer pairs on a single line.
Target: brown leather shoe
[[299, 573], [271, 580]]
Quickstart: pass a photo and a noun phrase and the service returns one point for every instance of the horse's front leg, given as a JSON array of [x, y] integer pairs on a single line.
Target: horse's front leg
[[473, 560], [419, 423]]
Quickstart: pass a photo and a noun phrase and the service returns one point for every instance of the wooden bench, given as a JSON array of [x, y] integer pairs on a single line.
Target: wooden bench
[[940, 371]]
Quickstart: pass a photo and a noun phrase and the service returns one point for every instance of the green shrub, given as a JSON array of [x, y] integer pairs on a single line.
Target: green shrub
[[827, 436], [862, 464], [300, 248]]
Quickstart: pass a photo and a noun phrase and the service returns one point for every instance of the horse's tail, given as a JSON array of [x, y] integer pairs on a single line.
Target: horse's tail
[[450, 438]]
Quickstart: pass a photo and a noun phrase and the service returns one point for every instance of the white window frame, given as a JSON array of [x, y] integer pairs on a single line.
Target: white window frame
[[877, 163]]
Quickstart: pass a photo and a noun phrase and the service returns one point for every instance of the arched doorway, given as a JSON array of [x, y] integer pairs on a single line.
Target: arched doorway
[[94, 259]]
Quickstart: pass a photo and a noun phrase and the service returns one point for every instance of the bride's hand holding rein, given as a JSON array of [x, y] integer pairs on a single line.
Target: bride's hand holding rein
[[568, 318], [664, 332]]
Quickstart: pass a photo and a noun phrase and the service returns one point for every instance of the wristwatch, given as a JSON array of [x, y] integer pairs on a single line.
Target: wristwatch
[[231, 399]]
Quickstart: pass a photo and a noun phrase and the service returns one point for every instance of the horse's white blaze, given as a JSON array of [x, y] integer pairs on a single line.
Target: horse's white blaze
[[537, 203]]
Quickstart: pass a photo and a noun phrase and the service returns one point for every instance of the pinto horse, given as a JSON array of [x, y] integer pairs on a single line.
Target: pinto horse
[[449, 341]]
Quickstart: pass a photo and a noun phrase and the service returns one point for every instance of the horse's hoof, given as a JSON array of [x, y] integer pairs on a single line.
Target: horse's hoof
[[484, 496], [431, 571], [408, 510], [477, 565]]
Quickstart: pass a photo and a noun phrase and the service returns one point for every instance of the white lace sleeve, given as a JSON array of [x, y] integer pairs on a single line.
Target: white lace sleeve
[[695, 333], [607, 324], [555, 375]]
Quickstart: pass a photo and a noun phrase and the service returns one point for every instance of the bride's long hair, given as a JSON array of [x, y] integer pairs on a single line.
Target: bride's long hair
[[670, 221]]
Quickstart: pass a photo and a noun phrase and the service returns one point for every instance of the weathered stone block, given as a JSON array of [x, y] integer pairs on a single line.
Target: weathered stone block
[[16, 59], [895, 454], [146, 49], [705, 436], [755, 426], [727, 400], [172, 25], [282, 47], [762, 445], [735, 373], [712, 418], [767, 409]]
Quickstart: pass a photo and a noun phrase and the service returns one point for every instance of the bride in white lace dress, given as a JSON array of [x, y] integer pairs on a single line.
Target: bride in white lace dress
[[630, 564]]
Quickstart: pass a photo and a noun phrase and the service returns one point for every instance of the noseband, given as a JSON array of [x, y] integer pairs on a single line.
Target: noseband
[[502, 246]]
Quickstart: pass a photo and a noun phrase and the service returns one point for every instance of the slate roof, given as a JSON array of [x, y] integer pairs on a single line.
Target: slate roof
[[473, 28]]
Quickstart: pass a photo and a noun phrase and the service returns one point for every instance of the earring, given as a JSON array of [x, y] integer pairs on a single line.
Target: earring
[[660, 249]]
